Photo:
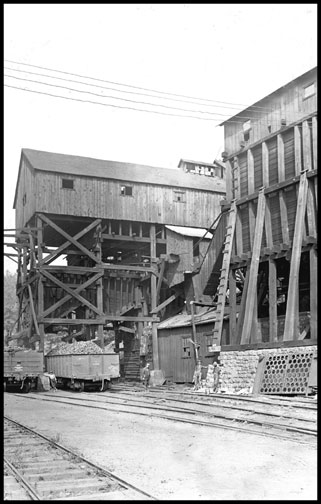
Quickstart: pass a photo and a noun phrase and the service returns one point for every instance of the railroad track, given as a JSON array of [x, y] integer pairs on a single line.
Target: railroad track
[[39, 468], [305, 432]]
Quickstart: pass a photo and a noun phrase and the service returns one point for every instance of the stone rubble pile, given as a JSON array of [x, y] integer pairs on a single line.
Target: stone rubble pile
[[78, 348]]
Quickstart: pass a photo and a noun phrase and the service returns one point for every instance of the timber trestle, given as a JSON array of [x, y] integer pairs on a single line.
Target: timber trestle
[[88, 292]]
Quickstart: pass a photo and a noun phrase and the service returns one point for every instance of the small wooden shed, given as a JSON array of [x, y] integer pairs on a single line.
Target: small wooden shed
[[175, 347]]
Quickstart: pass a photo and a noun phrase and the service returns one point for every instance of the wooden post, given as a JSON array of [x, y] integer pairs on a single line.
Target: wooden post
[[232, 305], [315, 143], [250, 302], [307, 154], [194, 337], [40, 284], [229, 180], [154, 296], [290, 329], [313, 292], [272, 301]]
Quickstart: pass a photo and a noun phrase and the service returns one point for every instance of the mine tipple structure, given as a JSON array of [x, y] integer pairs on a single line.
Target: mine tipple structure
[[109, 221], [265, 273]]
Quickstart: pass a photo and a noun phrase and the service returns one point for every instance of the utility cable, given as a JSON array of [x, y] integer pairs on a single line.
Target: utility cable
[[135, 87], [119, 98], [120, 90]]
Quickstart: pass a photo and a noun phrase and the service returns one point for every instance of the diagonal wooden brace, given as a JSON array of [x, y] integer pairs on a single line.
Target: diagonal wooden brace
[[70, 240], [72, 293], [75, 291]]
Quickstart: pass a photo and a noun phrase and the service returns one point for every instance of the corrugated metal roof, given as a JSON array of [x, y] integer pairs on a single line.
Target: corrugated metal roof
[[204, 316], [89, 167], [188, 231]]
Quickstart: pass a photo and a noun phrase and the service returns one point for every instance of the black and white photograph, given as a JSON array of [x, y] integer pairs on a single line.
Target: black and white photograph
[[160, 252]]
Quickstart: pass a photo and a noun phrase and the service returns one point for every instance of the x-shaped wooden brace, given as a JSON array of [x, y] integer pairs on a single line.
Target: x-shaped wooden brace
[[72, 293], [70, 239]]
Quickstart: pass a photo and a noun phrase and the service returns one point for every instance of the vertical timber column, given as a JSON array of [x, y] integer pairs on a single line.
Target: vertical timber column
[[272, 301], [313, 292], [154, 295], [100, 330], [40, 284]]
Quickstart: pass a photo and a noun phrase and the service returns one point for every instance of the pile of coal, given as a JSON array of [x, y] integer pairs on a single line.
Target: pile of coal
[[76, 348]]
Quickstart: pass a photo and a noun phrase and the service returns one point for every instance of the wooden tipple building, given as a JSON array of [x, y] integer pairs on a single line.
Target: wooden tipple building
[[107, 220], [264, 274]]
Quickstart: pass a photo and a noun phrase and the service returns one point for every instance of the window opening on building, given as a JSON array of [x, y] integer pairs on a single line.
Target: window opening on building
[[126, 190], [209, 341], [179, 196], [246, 130], [196, 247], [309, 90], [67, 183], [186, 348], [24, 199]]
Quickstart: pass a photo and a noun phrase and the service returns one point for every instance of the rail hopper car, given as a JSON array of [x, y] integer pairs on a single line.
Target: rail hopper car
[[85, 371], [22, 369]]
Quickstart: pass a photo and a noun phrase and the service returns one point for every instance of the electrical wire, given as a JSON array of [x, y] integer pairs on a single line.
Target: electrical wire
[[114, 106], [119, 90], [118, 98], [137, 87]]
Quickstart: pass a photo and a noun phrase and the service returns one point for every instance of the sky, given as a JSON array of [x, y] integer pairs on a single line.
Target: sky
[[228, 56]]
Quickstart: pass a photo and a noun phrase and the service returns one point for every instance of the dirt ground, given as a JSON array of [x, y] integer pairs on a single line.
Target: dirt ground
[[174, 461]]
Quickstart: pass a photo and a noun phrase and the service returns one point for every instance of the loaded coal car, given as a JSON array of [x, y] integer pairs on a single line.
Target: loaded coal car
[[82, 366], [22, 369]]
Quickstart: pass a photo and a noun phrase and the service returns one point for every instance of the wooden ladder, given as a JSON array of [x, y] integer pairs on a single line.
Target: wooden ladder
[[222, 288], [254, 268]]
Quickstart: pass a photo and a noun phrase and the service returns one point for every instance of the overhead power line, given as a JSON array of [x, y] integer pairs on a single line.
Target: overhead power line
[[135, 87], [111, 105], [123, 99], [191, 102]]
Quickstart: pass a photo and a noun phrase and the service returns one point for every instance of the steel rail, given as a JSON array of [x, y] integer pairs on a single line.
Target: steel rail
[[227, 406], [106, 472], [21, 480], [199, 422], [230, 397]]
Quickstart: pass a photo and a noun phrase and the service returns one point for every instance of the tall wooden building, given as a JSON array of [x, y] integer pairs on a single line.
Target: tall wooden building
[[267, 264], [108, 221]]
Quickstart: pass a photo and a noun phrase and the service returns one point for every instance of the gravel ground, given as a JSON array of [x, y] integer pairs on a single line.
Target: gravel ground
[[174, 461]]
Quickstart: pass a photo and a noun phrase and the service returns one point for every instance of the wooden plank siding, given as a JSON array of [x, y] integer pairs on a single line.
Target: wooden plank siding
[[286, 103], [148, 203], [25, 207]]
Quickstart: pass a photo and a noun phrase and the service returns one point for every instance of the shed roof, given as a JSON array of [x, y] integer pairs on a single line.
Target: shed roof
[[193, 232], [204, 316], [130, 172]]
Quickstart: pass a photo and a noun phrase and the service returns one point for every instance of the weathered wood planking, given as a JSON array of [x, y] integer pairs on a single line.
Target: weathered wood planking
[[287, 103]]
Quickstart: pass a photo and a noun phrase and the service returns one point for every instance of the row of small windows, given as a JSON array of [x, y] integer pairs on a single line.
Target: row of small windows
[[186, 345], [125, 190]]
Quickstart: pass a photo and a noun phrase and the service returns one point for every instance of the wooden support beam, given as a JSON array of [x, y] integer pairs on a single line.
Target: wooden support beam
[[232, 306], [297, 150], [104, 321], [311, 211], [315, 143], [160, 280], [40, 285], [306, 140], [126, 329], [313, 292], [237, 182], [284, 217], [164, 304], [265, 164], [70, 240], [33, 310], [229, 180], [77, 290], [290, 329], [73, 293], [238, 233], [152, 235], [241, 315], [249, 310], [273, 323]]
